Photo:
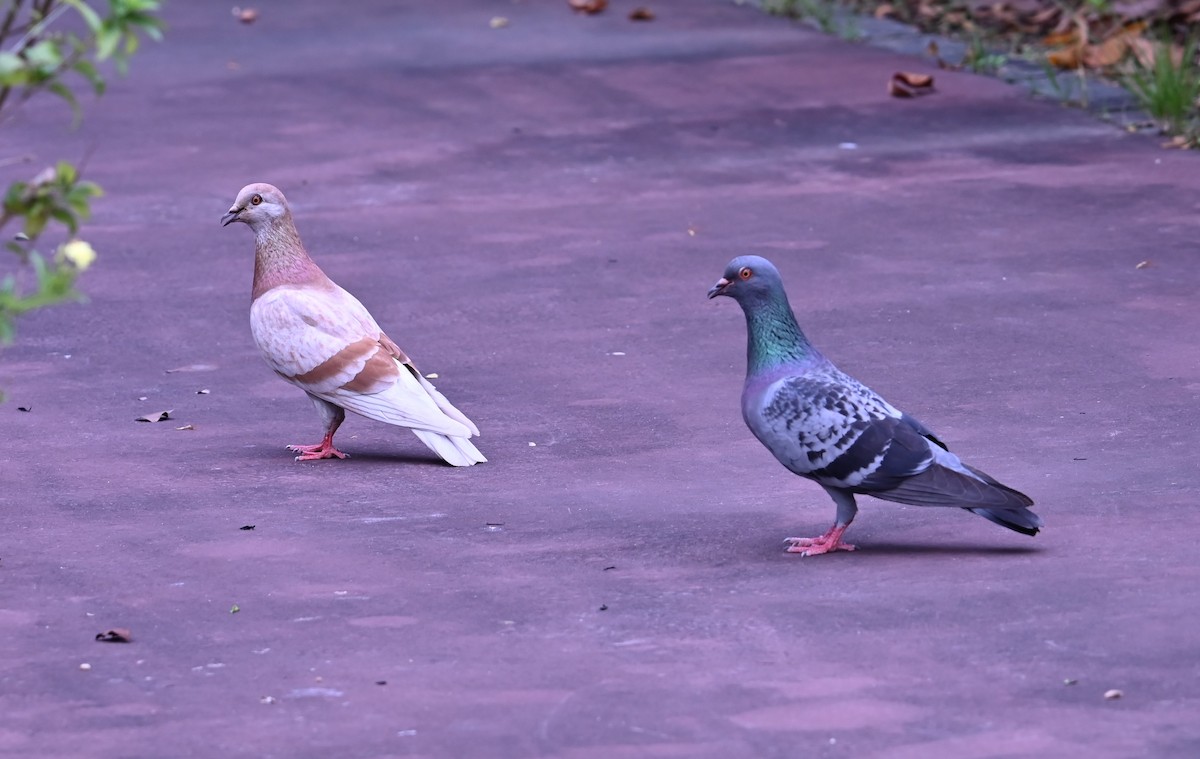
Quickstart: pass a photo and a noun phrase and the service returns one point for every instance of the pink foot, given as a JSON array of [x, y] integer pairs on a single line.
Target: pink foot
[[827, 543], [324, 450]]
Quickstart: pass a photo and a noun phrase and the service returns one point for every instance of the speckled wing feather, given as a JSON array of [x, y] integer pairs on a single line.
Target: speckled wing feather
[[831, 428], [825, 425], [323, 340]]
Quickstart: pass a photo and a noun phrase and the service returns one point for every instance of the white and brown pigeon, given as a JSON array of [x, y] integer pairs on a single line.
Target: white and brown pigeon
[[321, 339], [827, 426]]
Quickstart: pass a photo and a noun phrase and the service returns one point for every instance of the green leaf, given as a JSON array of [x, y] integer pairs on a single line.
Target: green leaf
[[66, 172], [64, 92], [44, 55], [107, 40], [86, 69], [90, 17], [10, 63]]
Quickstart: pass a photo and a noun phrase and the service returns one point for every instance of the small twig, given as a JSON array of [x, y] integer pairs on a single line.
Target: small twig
[[37, 28]]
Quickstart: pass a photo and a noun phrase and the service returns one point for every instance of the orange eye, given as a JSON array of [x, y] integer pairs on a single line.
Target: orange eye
[[745, 273], [256, 200]]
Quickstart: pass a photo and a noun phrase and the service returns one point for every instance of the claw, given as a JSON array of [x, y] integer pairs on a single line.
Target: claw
[[316, 452], [827, 543]]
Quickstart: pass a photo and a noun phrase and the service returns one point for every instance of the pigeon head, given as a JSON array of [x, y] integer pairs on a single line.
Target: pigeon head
[[258, 205], [748, 279]]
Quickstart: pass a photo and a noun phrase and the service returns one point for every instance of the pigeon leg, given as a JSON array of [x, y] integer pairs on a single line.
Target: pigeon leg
[[828, 543], [832, 540], [333, 417]]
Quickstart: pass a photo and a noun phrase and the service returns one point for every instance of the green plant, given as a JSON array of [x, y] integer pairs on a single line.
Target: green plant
[[820, 13], [36, 55], [1169, 89], [981, 60]]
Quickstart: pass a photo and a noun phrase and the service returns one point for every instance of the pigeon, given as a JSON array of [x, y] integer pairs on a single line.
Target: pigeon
[[827, 426], [318, 337]]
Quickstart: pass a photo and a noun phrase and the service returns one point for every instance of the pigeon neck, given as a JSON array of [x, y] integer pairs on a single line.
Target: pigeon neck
[[280, 258], [775, 338]]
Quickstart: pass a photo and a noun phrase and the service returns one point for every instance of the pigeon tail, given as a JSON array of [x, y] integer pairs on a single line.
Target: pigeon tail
[[972, 490], [1023, 521], [941, 486], [456, 451], [1020, 520], [447, 408]]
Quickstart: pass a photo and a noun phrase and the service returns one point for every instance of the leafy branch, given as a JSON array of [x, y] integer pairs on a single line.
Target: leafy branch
[[40, 51]]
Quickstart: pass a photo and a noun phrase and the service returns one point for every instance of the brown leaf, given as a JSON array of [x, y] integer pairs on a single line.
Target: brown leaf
[[898, 90], [1061, 39], [1142, 264], [115, 635], [885, 10], [588, 6], [1143, 50], [1110, 52], [1067, 58], [245, 15], [918, 81], [641, 14], [157, 416]]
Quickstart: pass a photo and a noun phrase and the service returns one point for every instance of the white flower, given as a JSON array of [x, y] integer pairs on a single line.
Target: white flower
[[79, 253]]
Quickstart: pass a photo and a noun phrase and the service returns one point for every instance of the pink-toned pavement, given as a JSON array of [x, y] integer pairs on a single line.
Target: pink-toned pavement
[[535, 213]]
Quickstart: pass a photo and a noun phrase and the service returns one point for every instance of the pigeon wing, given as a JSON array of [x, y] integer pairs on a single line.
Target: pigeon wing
[[324, 341]]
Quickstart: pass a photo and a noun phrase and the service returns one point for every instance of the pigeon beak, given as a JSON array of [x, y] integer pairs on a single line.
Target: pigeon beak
[[230, 217], [719, 288]]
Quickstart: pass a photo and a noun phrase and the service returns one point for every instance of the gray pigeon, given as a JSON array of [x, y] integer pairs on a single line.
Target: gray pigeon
[[827, 426]]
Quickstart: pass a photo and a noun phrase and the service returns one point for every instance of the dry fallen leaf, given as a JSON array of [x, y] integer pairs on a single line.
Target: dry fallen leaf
[[1113, 694], [186, 427], [498, 22], [1143, 50], [1110, 52], [157, 416], [115, 635], [245, 15], [1142, 264], [588, 6], [641, 14], [905, 84], [915, 80]]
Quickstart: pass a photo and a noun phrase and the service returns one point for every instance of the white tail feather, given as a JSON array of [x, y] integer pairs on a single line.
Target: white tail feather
[[456, 451], [447, 407]]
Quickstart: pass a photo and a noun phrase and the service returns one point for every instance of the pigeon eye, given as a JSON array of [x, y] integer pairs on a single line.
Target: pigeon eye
[[256, 200], [745, 273]]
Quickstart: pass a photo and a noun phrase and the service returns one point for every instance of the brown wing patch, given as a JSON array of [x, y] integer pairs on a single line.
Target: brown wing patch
[[379, 372], [390, 346], [378, 368]]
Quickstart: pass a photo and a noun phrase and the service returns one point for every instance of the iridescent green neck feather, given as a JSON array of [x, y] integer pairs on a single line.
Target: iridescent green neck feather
[[774, 338]]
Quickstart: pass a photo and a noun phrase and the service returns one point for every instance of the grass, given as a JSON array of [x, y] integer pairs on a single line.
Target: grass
[[821, 13], [1169, 90]]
